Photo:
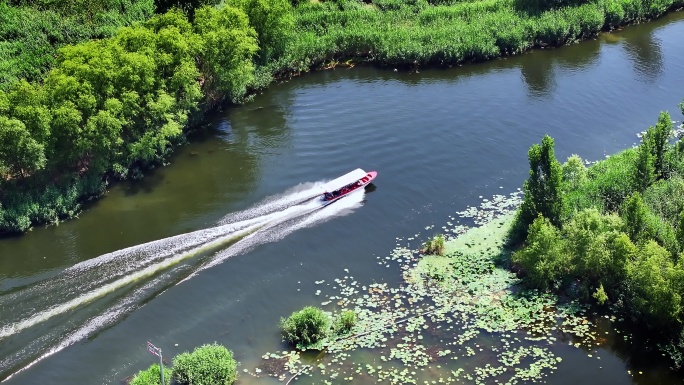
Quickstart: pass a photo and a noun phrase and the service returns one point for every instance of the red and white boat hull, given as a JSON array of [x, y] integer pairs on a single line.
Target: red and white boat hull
[[347, 184]]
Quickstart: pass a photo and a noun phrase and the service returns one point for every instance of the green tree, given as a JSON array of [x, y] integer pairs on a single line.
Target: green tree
[[574, 172], [230, 45], [66, 130], [590, 236], [635, 214], [207, 365], [273, 21], [543, 258], [645, 172], [622, 250], [653, 282], [27, 104], [20, 153], [658, 137], [543, 188]]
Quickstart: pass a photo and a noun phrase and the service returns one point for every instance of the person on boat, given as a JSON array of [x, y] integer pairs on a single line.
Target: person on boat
[[328, 195]]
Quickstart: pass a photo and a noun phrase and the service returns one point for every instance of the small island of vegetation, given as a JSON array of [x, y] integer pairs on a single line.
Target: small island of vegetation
[[612, 234]]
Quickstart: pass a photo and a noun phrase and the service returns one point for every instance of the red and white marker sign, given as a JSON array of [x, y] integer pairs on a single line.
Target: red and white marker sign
[[153, 349]]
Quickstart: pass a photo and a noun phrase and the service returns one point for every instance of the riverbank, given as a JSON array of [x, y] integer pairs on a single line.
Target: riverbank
[[445, 33], [326, 33]]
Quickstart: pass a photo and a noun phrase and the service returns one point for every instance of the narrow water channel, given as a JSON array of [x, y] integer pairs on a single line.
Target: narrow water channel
[[440, 140]]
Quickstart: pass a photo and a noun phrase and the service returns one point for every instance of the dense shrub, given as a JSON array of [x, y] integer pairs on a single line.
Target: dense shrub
[[206, 365], [434, 245], [654, 283], [21, 208], [32, 31], [543, 259], [305, 327], [345, 322], [151, 376]]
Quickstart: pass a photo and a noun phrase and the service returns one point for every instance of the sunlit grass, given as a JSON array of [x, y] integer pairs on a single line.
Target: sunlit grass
[[418, 32]]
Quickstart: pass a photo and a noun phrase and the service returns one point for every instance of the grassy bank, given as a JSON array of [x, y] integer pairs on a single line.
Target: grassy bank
[[114, 107], [446, 32]]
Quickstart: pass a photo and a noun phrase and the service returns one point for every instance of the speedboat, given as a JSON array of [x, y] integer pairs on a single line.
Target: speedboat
[[346, 184]]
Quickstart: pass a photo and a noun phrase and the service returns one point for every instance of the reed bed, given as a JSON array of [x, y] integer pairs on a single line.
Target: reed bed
[[447, 32]]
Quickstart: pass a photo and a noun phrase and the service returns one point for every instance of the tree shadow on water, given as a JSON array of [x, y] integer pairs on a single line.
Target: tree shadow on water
[[646, 55], [538, 68]]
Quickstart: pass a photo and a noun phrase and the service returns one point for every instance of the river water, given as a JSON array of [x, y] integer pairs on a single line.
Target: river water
[[79, 301]]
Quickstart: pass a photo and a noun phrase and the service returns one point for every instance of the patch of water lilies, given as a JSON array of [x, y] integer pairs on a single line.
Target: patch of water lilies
[[457, 318]]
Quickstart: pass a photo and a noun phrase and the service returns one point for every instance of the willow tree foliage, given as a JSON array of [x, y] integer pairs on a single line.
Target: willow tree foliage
[[32, 31], [230, 44], [273, 21], [123, 100], [115, 106]]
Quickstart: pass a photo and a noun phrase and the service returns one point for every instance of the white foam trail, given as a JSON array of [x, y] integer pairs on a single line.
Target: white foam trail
[[267, 210], [269, 221], [297, 194], [201, 239], [110, 287], [94, 324], [167, 245], [339, 208]]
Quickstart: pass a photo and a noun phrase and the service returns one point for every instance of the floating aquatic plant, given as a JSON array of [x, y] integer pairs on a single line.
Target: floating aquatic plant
[[457, 317]]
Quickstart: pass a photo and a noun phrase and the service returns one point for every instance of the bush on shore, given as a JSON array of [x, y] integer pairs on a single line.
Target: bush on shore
[[151, 376], [305, 327], [207, 365]]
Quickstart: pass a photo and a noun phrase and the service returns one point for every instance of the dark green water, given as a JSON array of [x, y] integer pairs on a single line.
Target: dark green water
[[439, 139]]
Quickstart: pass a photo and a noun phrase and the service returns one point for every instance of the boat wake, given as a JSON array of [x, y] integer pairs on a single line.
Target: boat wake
[[94, 294]]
